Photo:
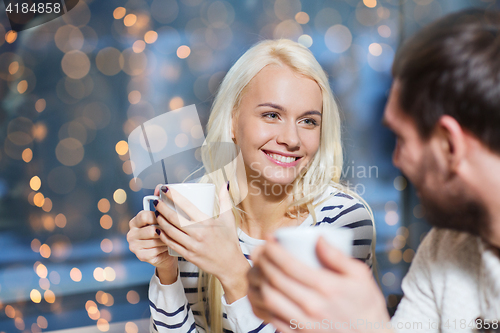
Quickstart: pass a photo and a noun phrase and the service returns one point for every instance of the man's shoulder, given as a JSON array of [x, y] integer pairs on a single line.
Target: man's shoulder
[[450, 246]]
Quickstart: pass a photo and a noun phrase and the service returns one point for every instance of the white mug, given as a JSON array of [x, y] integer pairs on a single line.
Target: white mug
[[201, 195], [301, 241]]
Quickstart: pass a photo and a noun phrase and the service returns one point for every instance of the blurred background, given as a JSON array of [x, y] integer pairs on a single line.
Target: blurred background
[[72, 89]]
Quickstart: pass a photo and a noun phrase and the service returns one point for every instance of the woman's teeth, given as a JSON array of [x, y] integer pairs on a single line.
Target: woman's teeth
[[281, 158]]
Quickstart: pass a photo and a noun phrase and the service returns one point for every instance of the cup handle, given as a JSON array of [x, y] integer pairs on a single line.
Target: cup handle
[[147, 199]]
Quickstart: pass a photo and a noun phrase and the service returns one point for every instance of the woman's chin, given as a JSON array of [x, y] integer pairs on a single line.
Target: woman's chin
[[279, 181]]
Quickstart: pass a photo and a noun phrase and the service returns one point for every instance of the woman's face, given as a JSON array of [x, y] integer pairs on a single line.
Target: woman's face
[[278, 124]]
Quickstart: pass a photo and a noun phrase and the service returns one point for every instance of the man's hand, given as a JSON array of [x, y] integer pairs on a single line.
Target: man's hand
[[290, 294]]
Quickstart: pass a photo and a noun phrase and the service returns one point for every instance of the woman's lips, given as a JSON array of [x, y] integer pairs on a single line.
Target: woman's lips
[[283, 164]]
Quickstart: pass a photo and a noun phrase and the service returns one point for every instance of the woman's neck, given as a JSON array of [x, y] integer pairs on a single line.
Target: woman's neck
[[265, 213]]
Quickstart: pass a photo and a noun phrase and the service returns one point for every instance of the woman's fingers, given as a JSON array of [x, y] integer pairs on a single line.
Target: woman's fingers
[[185, 205], [147, 232], [171, 216], [174, 233], [150, 243], [151, 255], [142, 219], [181, 250], [157, 189]]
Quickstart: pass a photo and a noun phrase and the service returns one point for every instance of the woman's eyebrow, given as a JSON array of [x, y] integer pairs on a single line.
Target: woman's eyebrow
[[312, 112], [274, 106], [279, 107]]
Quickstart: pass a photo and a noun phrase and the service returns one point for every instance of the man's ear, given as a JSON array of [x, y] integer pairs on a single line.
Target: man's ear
[[453, 141]]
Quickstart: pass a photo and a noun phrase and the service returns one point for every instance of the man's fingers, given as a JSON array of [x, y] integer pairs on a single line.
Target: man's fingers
[[279, 305], [256, 254], [335, 260], [289, 265], [283, 326], [304, 297]]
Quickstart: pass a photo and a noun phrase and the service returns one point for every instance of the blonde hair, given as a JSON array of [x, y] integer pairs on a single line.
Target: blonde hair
[[324, 169]]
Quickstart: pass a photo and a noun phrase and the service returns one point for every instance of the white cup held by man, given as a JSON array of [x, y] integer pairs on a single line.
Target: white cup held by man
[[301, 241]]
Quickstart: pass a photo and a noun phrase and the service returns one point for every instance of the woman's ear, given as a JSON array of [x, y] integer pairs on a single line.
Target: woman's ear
[[233, 126]]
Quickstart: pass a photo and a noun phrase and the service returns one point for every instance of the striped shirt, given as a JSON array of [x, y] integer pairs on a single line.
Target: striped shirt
[[176, 308]]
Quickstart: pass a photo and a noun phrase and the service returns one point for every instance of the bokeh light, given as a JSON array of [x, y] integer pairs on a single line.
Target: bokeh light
[[400, 183], [27, 155], [130, 20], [150, 37], [36, 296], [120, 196], [75, 274], [106, 245], [49, 296], [35, 183], [10, 36], [139, 46], [103, 205], [133, 297], [131, 327], [109, 61], [338, 38], [183, 51], [75, 64], [119, 13], [106, 221], [370, 3]]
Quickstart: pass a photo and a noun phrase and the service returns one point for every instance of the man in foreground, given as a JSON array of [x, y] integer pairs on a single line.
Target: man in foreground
[[444, 108]]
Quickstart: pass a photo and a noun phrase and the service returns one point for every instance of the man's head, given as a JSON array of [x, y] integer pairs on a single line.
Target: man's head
[[445, 110]]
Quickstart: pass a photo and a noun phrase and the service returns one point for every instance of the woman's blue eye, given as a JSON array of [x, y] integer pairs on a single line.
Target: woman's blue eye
[[271, 115], [311, 122]]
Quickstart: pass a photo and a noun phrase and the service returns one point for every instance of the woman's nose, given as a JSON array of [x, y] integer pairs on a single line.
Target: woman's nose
[[289, 136]]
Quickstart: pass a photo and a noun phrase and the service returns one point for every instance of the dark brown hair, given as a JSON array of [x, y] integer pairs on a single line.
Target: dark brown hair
[[452, 67]]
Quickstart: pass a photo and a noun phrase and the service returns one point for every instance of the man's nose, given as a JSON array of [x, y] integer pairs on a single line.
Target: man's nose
[[289, 136]]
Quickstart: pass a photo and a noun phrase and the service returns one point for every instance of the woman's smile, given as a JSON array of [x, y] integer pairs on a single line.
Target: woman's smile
[[282, 159]]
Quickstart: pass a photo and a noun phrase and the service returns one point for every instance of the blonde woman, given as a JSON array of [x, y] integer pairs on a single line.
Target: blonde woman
[[276, 105]]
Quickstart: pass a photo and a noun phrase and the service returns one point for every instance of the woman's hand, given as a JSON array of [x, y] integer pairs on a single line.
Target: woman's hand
[[145, 242], [291, 295], [211, 244]]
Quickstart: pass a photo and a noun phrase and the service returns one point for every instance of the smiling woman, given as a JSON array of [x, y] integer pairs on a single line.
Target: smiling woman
[[276, 109]]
